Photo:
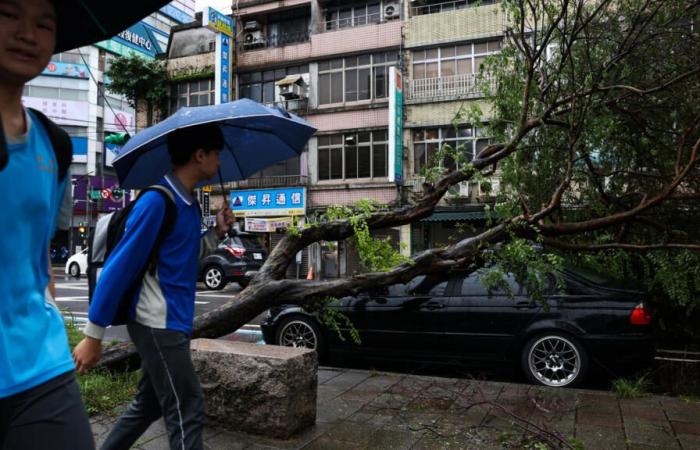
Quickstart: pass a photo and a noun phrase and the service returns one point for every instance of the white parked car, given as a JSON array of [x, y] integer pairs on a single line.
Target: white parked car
[[77, 264]]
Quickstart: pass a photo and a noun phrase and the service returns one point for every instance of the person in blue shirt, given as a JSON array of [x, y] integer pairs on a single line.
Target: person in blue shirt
[[162, 308], [40, 405]]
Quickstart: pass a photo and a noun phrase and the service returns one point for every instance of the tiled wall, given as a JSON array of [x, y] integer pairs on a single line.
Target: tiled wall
[[347, 120], [347, 196]]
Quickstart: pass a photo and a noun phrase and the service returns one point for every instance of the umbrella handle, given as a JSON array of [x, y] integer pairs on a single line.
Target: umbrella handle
[[223, 191]]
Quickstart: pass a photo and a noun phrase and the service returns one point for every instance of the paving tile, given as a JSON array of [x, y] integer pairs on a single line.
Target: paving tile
[[325, 375], [590, 418], [594, 438], [680, 411], [656, 434], [686, 427], [228, 440], [336, 410], [648, 410], [347, 380], [393, 439], [689, 441], [354, 433], [326, 393], [323, 443]]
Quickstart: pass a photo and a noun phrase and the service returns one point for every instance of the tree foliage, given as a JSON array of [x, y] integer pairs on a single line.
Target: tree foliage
[[138, 78]]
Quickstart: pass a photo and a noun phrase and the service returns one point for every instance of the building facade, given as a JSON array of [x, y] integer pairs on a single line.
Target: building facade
[[329, 61], [74, 92]]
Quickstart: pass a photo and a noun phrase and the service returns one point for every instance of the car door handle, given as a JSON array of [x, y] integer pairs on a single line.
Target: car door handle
[[434, 305]]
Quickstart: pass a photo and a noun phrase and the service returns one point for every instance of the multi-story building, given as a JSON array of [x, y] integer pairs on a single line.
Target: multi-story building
[[73, 91], [329, 61]]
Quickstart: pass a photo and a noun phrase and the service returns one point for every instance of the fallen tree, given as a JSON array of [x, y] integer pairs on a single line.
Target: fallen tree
[[595, 134]]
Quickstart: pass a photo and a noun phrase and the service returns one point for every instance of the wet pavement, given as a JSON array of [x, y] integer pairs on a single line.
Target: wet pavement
[[359, 409]]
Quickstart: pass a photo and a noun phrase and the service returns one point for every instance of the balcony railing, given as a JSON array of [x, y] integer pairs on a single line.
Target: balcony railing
[[271, 181], [450, 86], [277, 40], [448, 6]]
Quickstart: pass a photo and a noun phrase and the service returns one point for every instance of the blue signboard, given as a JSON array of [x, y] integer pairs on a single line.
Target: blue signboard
[[139, 38], [176, 14], [269, 202], [61, 69], [224, 68], [80, 145]]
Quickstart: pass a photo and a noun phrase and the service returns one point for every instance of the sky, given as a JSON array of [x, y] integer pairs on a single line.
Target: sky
[[222, 5]]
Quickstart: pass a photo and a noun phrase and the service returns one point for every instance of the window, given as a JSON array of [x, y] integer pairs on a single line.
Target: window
[[354, 78], [464, 59], [68, 57], [352, 16], [428, 141], [260, 86], [56, 92], [192, 93], [349, 156]]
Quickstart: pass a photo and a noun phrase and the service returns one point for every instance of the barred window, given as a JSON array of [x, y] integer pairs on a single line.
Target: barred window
[[354, 155], [260, 86]]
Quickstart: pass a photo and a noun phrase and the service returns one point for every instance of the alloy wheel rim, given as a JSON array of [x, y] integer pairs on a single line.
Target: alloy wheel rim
[[213, 277], [554, 361], [298, 334]]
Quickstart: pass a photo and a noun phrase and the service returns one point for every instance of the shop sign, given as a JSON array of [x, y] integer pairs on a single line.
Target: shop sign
[[137, 39], [259, 225], [118, 120], [67, 70], [395, 125], [222, 25], [269, 202], [63, 112], [218, 21]]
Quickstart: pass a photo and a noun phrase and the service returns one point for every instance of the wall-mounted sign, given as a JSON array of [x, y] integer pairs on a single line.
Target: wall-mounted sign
[[217, 21], [269, 202], [118, 120], [395, 125], [260, 225], [80, 148], [63, 112], [61, 69], [137, 39], [223, 26]]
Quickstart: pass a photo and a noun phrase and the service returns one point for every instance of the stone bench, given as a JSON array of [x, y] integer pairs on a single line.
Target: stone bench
[[257, 389]]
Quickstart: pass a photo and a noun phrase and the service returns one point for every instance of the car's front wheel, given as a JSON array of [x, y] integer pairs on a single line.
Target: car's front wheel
[[214, 278], [554, 359], [299, 331], [74, 270]]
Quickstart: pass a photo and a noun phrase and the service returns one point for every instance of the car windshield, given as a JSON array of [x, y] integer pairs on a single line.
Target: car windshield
[[247, 242]]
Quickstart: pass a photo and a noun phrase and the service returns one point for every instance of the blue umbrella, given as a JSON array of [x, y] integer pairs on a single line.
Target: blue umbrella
[[255, 137]]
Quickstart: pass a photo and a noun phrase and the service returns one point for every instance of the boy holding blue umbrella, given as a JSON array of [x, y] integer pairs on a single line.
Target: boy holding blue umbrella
[[162, 306]]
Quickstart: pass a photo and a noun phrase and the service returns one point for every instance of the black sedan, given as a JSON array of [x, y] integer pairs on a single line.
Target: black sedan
[[455, 318], [236, 259]]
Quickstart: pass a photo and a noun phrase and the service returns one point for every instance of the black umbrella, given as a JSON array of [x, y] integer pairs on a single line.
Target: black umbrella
[[83, 22]]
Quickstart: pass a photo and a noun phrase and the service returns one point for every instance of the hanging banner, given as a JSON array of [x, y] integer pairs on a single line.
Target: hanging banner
[[63, 112], [67, 70], [118, 120], [395, 125]]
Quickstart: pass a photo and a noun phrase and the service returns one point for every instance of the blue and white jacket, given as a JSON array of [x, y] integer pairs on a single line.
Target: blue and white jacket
[[164, 300]]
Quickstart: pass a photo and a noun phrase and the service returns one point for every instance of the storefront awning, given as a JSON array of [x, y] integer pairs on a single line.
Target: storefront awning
[[459, 216]]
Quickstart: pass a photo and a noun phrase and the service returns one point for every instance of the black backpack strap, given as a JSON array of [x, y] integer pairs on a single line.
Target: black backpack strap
[[60, 141], [166, 226]]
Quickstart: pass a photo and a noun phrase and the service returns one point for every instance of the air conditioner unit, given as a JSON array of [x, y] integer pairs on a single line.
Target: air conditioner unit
[[392, 11], [291, 91], [253, 39], [251, 25]]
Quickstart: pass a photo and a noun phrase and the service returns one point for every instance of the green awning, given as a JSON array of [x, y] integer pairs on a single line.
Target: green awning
[[459, 216]]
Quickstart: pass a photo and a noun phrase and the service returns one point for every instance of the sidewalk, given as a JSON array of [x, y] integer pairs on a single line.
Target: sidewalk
[[372, 410]]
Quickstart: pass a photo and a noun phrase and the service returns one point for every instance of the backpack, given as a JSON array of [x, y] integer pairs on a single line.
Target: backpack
[[109, 230], [60, 143]]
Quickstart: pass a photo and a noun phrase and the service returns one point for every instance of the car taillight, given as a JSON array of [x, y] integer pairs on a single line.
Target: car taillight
[[640, 315], [238, 252]]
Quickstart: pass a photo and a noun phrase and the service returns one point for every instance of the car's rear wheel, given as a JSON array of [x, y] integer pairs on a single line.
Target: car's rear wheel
[[554, 359], [74, 270], [214, 278], [299, 331]]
